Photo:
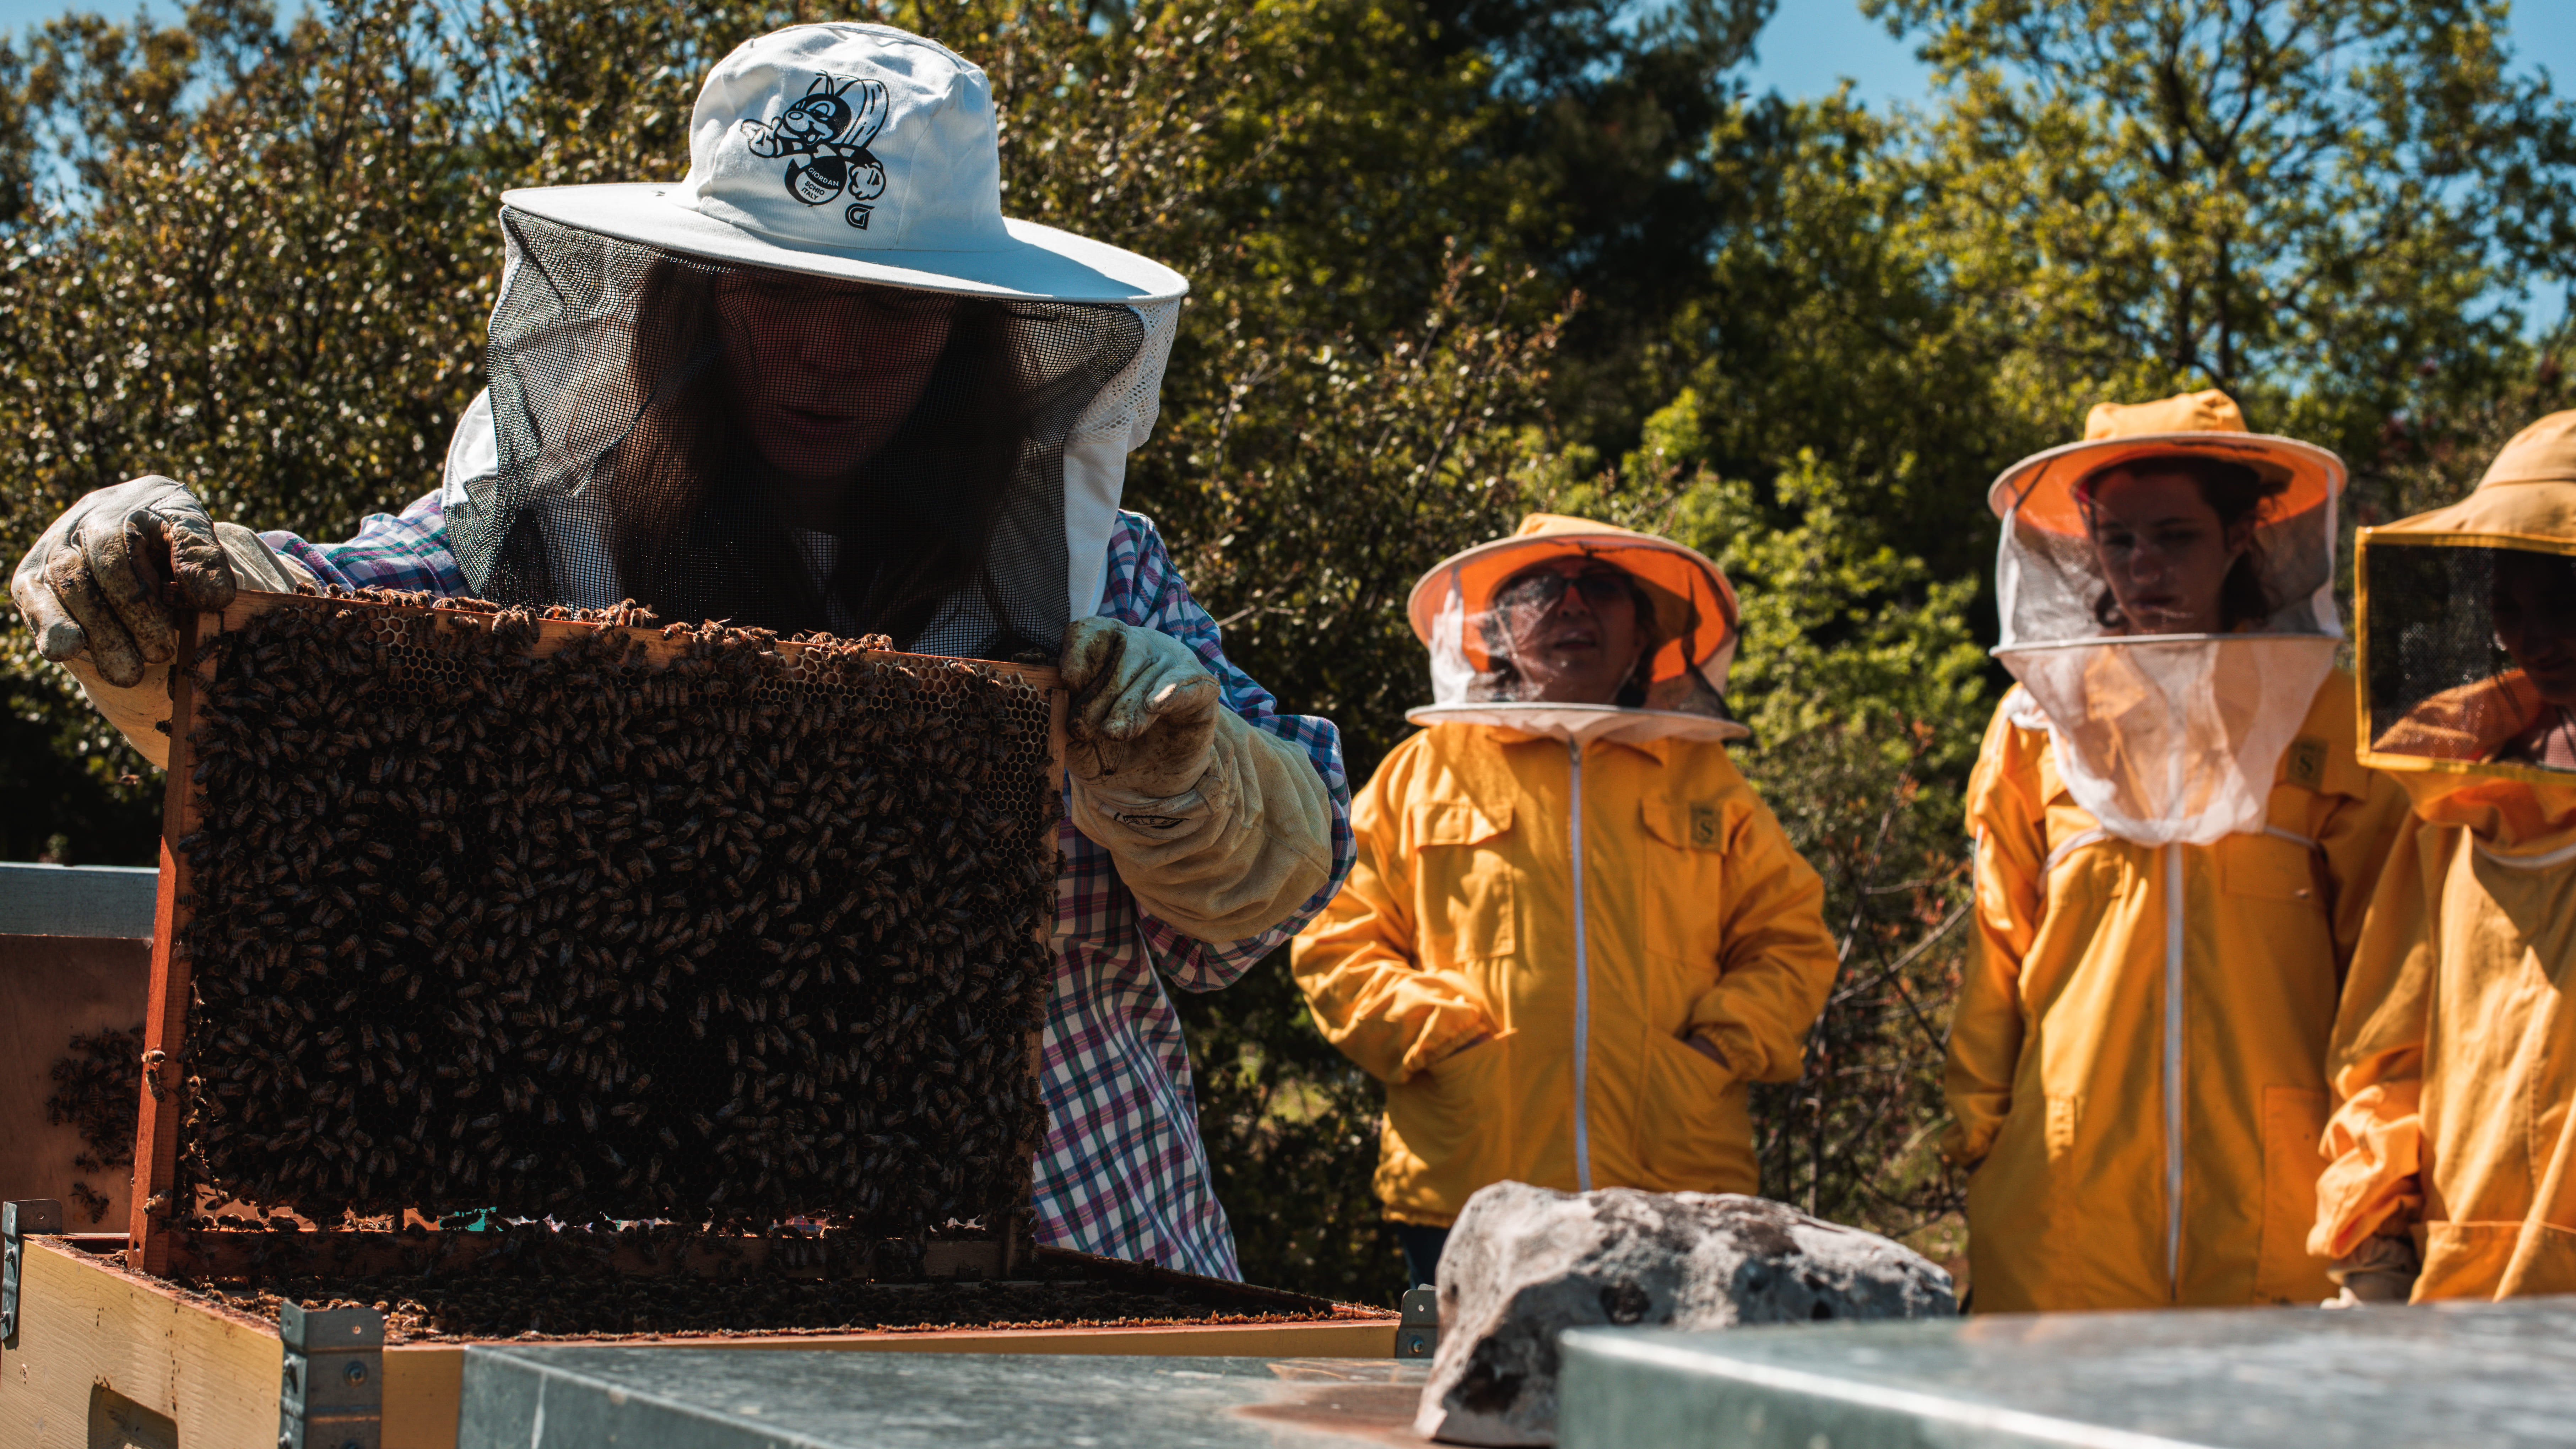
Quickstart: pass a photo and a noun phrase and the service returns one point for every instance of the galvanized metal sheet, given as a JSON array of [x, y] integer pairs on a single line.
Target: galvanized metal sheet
[[77, 900], [2495, 1376], [580, 1397]]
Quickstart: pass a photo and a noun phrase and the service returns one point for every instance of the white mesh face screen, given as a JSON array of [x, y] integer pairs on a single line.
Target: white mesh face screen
[[2051, 588], [1479, 674], [2175, 740], [656, 417], [2171, 738], [2469, 654]]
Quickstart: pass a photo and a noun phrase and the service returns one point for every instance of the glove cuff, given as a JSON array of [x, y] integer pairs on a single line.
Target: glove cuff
[[258, 566]]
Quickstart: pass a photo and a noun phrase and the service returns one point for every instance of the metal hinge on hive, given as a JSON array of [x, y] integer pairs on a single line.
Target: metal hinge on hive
[[332, 1393], [1418, 1336], [17, 1219]]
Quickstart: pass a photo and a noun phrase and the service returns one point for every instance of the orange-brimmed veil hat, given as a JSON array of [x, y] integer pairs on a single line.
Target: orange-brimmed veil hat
[[2442, 702], [2167, 738], [1681, 681]]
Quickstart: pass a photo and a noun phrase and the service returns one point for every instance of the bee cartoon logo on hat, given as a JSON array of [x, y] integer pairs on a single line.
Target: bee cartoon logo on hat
[[828, 129]]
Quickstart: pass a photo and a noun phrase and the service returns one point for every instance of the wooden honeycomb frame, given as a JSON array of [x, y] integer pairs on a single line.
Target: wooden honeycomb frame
[[159, 1238]]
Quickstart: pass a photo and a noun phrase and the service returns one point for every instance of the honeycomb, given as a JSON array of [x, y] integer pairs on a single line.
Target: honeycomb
[[491, 910]]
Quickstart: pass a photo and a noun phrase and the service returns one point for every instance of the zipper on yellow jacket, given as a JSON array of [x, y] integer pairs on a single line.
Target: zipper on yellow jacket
[[2173, 1070], [1582, 992]]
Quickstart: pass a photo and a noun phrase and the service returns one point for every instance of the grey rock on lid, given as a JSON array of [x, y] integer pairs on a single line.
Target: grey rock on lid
[[1523, 1264]]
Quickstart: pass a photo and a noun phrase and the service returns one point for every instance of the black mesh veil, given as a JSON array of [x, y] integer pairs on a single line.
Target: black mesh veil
[[2438, 632], [645, 412]]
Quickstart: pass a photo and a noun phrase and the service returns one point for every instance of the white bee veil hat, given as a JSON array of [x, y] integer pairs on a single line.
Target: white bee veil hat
[[850, 153], [859, 152]]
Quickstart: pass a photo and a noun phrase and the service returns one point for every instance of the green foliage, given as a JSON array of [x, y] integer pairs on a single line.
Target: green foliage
[[2309, 203], [1333, 475], [1829, 324], [70, 791], [1853, 1138], [2434, 456]]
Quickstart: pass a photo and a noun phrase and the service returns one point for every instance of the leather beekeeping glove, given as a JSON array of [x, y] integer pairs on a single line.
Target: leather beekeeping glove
[[1219, 829], [1143, 717], [92, 584], [91, 591], [2381, 1270]]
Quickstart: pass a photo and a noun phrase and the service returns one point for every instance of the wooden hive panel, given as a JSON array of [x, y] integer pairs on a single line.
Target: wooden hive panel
[[470, 910]]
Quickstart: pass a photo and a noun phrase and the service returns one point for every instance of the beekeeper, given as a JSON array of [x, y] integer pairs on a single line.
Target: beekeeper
[[823, 384], [2174, 846], [2454, 1060], [1574, 936]]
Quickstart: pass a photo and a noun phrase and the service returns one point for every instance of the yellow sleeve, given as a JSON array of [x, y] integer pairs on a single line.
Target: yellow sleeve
[[2375, 1063], [2008, 823], [2356, 839], [1775, 959], [1357, 961]]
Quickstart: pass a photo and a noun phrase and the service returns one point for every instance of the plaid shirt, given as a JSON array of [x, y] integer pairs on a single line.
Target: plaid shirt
[[1122, 1172]]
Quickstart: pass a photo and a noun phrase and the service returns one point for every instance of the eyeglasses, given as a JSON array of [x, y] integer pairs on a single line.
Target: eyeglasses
[[1542, 590]]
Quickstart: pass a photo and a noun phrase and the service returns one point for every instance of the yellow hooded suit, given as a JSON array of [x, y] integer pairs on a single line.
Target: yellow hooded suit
[[2454, 1056], [2136, 1076]]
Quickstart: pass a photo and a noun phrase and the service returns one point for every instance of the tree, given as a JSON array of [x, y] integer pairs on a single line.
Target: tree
[[272, 292], [2327, 207]]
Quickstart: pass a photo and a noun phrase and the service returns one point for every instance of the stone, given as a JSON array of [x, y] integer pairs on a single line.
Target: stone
[[1524, 1264]]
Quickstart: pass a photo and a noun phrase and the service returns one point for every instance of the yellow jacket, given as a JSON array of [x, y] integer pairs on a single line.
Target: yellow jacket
[[2454, 1058], [2067, 1077], [1460, 919]]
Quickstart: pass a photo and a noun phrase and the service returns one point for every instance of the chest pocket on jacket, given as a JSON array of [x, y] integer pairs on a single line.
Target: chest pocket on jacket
[[2272, 867], [1688, 824], [1681, 889], [1466, 879]]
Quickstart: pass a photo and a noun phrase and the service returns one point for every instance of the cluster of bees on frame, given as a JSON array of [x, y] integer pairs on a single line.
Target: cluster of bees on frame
[[746, 935]]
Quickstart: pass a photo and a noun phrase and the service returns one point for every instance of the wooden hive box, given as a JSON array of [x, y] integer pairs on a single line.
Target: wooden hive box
[[615, 976], [75, 968]]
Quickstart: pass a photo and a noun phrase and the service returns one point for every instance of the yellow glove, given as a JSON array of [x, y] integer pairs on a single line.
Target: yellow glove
[[1220, 830]]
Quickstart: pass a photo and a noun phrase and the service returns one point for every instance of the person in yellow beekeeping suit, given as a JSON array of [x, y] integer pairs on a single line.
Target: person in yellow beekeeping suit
[[2174, 847], [1573, 937], [2454, 1060]]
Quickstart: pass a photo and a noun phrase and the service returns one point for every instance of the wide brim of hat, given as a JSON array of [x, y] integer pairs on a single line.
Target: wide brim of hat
[[2506, 514], [1583, 721], [1036, 263], [1681, 573], [2042, 485]]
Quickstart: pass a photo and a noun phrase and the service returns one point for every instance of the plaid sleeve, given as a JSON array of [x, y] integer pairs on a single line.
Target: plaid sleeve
[[1147, 591], [392, 551]]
